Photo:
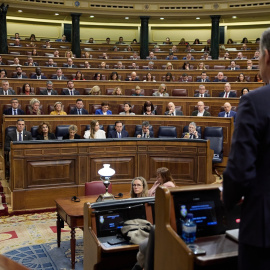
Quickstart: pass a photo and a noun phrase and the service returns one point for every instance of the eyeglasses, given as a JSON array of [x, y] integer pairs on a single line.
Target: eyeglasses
[[136, 185]]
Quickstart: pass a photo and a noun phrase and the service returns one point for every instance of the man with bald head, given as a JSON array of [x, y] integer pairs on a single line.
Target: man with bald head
[[172, 111], [227, 111], [220, 78], [202, 92], [227, 92], [201, 111], [133, 77]]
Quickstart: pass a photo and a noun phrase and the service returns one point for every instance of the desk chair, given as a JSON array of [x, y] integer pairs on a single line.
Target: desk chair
[[96, 188], [167, 132], [60, 131]]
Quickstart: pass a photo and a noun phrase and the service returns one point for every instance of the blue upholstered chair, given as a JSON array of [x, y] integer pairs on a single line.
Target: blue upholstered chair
[[167, 132], [60, 131], [34, 132]]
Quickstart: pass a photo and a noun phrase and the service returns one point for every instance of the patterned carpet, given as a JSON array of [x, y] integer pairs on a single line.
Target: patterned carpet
[[31, 240]]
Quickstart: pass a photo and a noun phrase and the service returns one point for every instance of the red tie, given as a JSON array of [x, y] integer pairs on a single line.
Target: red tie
[[226, 95]]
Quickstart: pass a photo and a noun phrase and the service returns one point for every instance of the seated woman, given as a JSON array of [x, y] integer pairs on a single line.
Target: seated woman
[[241, 78], [117, 91], [44, 132], [201, 66], [114, 76], [139, 187], [230, 41], [98, 76], [138, 91], [72, 133], [26, 90], [161, 91], [258, 78], [104, 109], [168, 77], [34, 107], [94, 132], [69, 54], [129, 48], [169, 66], [87, 55], [186, 66], [244, 91], [34, 52], [149, 78], [148, 108], [95, 90], [3, 74], [164, 178], [197, 41], [79, 76], [58, 109], [127, 109]]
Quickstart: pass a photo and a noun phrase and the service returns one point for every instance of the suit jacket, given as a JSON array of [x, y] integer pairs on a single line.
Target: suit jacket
[[23, 76], [194, 113], [54, 65], [198, 95], [157, 94], [35, 77], [12, 136], [191, 136], [136, 79], [177, 112], [236, 68], [151, 134], [50, 135], [232, 114], [66, 136], [99, 111], [10, 110], [113, 134], [10, 92], [66, 92], [54, 77], [200, 80], [247, 172], [231, 94], [217, 80], [66, 65], [34, 64], [74, 111], [45, 92]]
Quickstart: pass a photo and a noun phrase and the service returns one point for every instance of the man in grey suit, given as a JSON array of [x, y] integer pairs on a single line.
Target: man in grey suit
[[172, 110], [49, 91], [5, 89], [202, 92], [18, 134]]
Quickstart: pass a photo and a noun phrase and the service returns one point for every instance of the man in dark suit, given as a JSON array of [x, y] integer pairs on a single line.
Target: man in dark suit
[[38, 75], [202, 92], [246, 178], [20, 134], [227, 111], [19, 74], [14, 109], [145, 132], [133, 77], [51, 63], [192, 132], [172, 111], [79, 108], [220, 78], [118, 132], [233, 66], [71, 90], [69, 64], [227, 92], [203, 77], [30, 62], [49, 91], [201, 111], [5, 89], [59, 75]]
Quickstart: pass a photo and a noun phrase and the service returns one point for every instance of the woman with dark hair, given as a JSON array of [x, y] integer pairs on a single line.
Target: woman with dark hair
[[197, 41], [149, 77], [186, 66], [127, 109], [114, 76], [244, 40], [258, 78], [26, 90], [44, 130], [3, 74], [32, 37], [139, 187], [229, 41], [98, 76], [34, 52], [244, 91], [164, 178], [241, 78], [94, 132], [79, 76], [168, 77], [148, 108]]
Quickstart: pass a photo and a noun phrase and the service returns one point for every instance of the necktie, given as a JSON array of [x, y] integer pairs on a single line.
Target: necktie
[[227, 114], [58, 78], [5, 93], [20, 136], [71, 92], [226, 95], [119, 135], [144, 135], [14, 112], [201, 95]]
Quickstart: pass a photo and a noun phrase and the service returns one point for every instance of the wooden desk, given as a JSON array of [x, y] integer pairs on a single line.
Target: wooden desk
[[8, 264]]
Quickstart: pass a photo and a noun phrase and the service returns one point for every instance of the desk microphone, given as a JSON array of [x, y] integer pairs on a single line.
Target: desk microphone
[[119, 195]]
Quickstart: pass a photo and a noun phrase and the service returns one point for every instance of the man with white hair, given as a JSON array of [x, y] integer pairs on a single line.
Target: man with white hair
[[227, 111], [201, 111], [227, 91], [172, 111]]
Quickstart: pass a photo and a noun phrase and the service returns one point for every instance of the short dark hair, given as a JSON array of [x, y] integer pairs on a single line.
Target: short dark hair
[[118, 122], [145, 124], [78, 99], [104, 103]]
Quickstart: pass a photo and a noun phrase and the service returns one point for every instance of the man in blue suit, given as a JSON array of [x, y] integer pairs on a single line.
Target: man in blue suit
[[79, 108], [233, 66], [118, 132], [14, 109], [227, 111], [38, 75], [246, 178]]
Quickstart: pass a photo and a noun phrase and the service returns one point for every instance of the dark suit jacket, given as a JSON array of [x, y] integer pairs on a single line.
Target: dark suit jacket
[[136, 79], [231, 94], [66, 136], [232, 114], [23, 76], [151, 134], [35, 77], [236, 68], [74, 111], [191, 136], [10, 92], [54, 77], [12, 136], [66, 92], [216, 80], [66, 65], [10, 110], [248, 170], [194, 113], [198, 95], [177, 112], [45, 92], [113, 134], [200, 80], [50, 135]]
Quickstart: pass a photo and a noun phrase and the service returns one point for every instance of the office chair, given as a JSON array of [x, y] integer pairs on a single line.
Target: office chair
[[96, 188], [60, 131], [167, 132]]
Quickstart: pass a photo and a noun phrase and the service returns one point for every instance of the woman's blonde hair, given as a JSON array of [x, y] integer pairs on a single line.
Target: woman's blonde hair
[[92, 128], [95, 89], [115, 89], [58, 102], [32, 102]]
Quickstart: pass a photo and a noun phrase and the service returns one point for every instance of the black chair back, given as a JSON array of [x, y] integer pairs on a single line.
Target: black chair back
[[167, 132]]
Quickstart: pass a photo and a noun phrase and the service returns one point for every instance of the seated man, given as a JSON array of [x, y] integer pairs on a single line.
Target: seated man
[[119, 65], [70, 64], [104, 56], [203, 77], [14, 109], [220, 78], [189, 57], [49, 91], [227, 92], [145, 133], [151, 56], [16, 62], [227, 111], [30, 62], [5, 89], [17, 43], [38, 75], [104, 109], [133, 77], [201, 111], [256, 55], [172, 110], [51, 63], [171, 56], [19, 74], [120, 41], [240, 56], [202, 92], [184, 78], [150, 65], [20, 134], [59, 75], [56, 53], [192, 132], [79, 108], [87, 65], [71, 90], [118, 132], [250, 65], [233, 66], [63, 39]]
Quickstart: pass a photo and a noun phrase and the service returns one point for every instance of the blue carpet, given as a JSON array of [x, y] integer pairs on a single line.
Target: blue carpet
[[48, 256]]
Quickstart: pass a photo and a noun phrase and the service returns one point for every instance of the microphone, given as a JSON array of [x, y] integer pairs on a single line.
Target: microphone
[[119, 195]]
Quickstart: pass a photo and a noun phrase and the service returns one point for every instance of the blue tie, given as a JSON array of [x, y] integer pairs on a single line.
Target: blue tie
[[14, 112], [119, 135], [20, 136]]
